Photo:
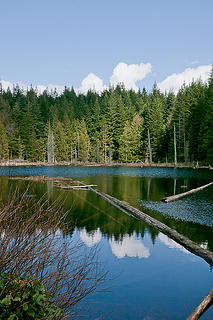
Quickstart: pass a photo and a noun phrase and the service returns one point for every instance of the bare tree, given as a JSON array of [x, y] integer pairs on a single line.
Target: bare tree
[[32, 244]]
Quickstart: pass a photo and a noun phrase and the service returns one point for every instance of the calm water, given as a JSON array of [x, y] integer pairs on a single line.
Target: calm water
[[154, 277]]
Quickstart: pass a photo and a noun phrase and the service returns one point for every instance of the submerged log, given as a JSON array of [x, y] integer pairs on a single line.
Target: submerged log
[[188, 244], [203, 306], [181, 195], [42, 178]]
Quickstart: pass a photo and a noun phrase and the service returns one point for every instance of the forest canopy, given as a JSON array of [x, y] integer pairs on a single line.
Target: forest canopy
[[106, 127]]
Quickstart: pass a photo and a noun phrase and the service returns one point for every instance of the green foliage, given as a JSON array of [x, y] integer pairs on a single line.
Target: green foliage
[[154, 121], [92, 127], [104, 140], [60, 140], [25, 299], [83, 142], [206, 132], [130, 142], [116, 118], [4, 151]]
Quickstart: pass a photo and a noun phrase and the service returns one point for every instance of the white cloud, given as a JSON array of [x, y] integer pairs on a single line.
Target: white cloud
[[129, 246], [91, 82], [129, 74], [90, 239], [176, 80], [194, 62], [40, 88], [6, 84], [50, 88], [171, 243], [122, 74]]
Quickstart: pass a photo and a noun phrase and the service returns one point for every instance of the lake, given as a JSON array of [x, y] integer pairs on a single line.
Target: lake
[[153, 276]]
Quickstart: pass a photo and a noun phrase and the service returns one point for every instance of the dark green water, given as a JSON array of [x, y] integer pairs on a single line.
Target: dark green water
[[155, 278]]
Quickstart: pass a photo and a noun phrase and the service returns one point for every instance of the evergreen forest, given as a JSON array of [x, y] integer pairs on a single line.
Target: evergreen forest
[[113, 126]]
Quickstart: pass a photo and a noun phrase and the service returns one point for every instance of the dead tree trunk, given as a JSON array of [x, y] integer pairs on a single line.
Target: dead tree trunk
[[203, 306]]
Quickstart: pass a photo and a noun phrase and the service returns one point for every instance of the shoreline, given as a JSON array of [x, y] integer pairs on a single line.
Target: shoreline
[[13, 163]]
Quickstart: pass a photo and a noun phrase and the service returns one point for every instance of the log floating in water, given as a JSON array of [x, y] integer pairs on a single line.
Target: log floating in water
[[84, 187], [181, 195], [188, 244], [203, 306], [75, 187]]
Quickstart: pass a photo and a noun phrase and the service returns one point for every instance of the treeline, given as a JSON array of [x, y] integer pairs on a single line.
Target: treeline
[[113, 126]]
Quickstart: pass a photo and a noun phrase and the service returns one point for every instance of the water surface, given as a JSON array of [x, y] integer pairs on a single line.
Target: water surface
[[154, 277]]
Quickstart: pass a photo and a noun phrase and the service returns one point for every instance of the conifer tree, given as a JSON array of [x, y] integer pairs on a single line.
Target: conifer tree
[[50, 145], [60, 141], [130, 141], [108, 129], [83, 142], [116, 118], [125, 153], [4, 151], [206, 133], [154, 122], [70, 132], [104, 140], [20, 148]]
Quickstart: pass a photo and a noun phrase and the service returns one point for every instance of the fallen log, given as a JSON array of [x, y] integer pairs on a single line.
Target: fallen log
[[61, 185], [181, 195], [188, 244], [203, 306], [84, 187]]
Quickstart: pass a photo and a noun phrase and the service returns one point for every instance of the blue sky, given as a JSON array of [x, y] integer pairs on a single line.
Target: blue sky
[[61, 42]]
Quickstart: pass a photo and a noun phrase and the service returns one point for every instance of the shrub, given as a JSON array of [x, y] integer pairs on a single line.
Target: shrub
[[25, 299]]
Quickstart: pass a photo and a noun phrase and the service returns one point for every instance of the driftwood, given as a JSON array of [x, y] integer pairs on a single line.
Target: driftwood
[[203, 306], [62, 185], [188, 244], [84, 187], [181, 195]]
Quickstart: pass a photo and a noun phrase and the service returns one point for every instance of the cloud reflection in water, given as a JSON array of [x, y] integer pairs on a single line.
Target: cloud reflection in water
[[90, 239], [130, 247]]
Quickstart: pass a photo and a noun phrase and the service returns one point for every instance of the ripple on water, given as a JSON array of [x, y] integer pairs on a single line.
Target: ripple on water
[[195, 208]]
